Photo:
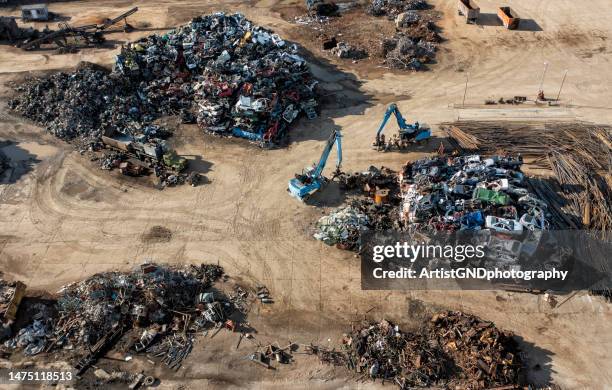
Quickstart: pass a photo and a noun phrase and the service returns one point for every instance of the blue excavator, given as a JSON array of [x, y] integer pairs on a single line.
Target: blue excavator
[[407, 133], [311, 179]]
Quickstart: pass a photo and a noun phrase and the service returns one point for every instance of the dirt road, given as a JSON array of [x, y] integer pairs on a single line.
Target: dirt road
[[64, 219]]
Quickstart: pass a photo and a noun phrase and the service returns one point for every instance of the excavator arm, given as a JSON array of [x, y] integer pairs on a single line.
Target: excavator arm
[[392, 110], [334, 138]]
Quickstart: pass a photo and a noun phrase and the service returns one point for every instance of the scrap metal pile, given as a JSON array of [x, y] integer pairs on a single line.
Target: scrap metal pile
[[578, 154], [359, 32], [84, 104], [240, 78], [166, 305], [415, 42], [377, 210], [454, 350], [235, 77], [434, 194], [470, 193]]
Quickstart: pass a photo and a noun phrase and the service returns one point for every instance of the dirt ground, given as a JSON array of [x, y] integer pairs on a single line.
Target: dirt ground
[[62, 219]]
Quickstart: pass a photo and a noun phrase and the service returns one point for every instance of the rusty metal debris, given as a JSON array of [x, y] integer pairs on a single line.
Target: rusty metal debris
[[453, 350]]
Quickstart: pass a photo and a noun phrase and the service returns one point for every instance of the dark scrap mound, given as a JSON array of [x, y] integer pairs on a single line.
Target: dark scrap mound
[[454, 350]]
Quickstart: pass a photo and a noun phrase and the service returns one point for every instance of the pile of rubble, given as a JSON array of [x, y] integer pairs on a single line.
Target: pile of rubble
[[393, 8], [233, 77], [454, 350], [342, 227], [470, 193]]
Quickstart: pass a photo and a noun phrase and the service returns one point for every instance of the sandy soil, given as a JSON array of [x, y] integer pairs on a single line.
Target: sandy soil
[[64, 219]]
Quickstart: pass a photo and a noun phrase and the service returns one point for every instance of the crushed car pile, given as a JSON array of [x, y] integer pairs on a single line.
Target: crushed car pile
[[454, 350], [470, 193], [239, 78], [439, 194]]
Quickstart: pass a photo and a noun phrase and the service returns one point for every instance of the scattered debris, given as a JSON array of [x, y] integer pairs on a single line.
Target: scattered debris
[[263, 294], [408, 43]]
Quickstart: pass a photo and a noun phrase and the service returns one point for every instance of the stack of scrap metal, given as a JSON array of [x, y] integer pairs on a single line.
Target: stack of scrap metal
[[168, 303], [470, 193], [245, 80]]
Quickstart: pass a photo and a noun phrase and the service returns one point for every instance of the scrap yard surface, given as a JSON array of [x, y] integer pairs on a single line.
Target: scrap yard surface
[[148, 237]]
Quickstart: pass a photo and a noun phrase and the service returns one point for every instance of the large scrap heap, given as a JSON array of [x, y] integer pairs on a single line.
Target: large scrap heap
[[235, 77], [245, 80]]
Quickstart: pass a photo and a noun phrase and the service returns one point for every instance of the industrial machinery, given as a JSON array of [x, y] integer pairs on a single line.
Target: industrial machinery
[[72, 37], [407, 133], [305, 184]]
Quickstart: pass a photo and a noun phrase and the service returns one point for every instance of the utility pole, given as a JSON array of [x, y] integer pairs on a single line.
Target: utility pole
[[467, 76], [562, 82], [540, 90]]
